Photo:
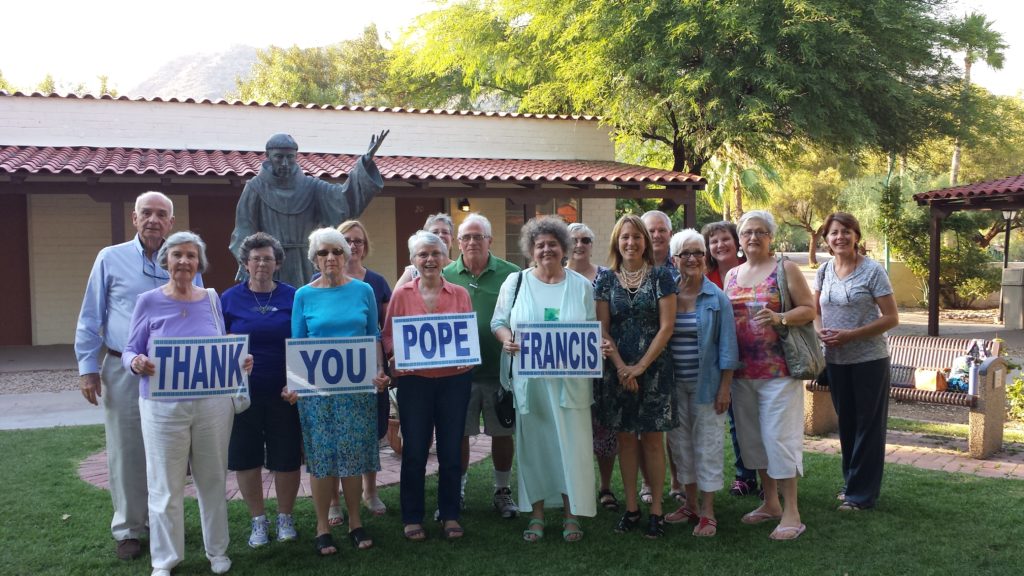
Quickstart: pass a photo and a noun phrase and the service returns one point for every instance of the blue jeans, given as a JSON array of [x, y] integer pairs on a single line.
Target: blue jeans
[[427, 405]]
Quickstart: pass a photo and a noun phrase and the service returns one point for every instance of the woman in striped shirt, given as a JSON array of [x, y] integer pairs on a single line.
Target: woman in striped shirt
[[704, 354]]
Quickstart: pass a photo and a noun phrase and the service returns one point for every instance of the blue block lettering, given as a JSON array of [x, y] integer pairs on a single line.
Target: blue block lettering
[[444, 336], [461, 338], [179, 366], [408, 338], [218, 363], [332, 375], [353, 376], [162, 353], [575, 350], [592, 355], [428, 349], [310, 365], [235, 366], [199, 376]]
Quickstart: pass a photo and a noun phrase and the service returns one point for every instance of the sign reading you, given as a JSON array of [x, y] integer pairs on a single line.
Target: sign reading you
[[194, 368], [436, 341], [566, 349], [323, 366]]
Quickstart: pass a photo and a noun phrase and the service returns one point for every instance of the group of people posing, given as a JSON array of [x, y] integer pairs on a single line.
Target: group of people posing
[[690, 333]]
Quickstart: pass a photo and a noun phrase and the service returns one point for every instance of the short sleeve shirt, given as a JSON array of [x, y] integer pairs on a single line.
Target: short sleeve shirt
[[849, 303]]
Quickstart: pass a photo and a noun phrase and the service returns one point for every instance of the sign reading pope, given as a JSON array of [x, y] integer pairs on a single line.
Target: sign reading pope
[[289, 204]]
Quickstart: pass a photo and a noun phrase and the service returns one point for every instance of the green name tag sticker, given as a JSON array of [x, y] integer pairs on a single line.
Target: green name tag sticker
[[551, 314]]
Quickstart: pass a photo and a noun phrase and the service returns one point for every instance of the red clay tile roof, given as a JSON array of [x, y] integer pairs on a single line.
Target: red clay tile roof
[[308, 106], [993, 188], [137, 161]]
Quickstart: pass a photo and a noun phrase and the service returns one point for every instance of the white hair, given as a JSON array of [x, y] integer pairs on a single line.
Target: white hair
[[161, 195], [323, 236], [679, 239], [659, 214], [581, 228], [762, 215], [423, 237], [476, 218]]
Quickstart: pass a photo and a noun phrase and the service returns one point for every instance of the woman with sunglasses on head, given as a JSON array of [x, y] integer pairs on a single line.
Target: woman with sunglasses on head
[[856, 308], [767, 402], [605, 444], [339, 432]]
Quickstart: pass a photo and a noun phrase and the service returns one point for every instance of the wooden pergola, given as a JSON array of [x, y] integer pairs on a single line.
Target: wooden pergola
[[1004, 194]]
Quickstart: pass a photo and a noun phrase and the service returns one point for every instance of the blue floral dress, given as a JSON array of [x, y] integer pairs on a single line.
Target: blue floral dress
[[634, 323]]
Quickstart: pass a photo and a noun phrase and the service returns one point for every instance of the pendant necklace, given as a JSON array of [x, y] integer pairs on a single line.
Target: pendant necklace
[[263, 309]]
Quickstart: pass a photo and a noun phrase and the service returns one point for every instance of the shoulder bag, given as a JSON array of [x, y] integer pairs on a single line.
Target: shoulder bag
[[800, 344], [504, 400], [240, 400]]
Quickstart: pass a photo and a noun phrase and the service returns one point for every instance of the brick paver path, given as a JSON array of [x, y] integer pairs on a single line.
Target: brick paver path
[[94, 470]]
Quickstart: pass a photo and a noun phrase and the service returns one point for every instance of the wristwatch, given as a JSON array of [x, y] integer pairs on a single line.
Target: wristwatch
[[783, 316]]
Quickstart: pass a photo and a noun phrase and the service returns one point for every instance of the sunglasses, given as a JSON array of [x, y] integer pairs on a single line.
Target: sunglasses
[[583, 240], [335, 251]]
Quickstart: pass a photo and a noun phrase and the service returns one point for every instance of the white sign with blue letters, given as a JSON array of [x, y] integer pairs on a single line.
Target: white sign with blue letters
[[324, 366], [195, 368], [436, 341], [559, 349]]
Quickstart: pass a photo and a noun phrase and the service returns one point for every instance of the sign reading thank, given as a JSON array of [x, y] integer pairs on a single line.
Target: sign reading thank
[[436, 341], [323, 366], [194, 368], [570, 349]]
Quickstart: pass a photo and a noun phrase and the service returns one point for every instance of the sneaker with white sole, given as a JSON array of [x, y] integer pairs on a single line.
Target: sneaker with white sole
[[258, 537], [286, 528], [504, 504], [219, 564]]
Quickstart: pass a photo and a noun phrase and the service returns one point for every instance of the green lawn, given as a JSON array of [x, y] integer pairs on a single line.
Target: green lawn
[[926, 523]]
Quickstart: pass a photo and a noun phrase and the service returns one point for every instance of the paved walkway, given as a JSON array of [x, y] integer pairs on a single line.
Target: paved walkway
[[94, 470]]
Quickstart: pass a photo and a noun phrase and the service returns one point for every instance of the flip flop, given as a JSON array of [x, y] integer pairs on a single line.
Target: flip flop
[[646, 496], [607, 500], [414, 534], [571, 530], [706, 527], [758, 517], [787, 532], [375, 506], [534, 530], [360, 539], [335, 517], [683, 514]]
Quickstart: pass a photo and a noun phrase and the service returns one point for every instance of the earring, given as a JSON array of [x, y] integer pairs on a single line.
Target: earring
[[739, 253]]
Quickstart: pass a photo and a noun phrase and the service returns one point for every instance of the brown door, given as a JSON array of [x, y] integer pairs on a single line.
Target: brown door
[[410, 214], [16, 304], [213, 218]]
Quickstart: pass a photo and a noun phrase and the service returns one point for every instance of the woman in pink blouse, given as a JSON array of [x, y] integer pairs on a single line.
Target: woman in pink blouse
[[429, 399]]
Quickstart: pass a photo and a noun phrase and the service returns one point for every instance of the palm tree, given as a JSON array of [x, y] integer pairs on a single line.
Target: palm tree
[[973, 35]]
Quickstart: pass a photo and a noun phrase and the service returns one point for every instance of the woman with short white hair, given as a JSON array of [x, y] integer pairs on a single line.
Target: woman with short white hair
[[767, 401]]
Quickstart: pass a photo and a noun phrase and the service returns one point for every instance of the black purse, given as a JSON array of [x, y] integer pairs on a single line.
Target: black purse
[[504, 400]]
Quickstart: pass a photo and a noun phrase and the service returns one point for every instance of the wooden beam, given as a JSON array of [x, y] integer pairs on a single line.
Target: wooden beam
[[116, 221], [934, 252]]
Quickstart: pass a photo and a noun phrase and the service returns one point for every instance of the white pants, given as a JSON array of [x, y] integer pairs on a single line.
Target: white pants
[[769, 418], [176, 433], [126, 454], [698, 443]]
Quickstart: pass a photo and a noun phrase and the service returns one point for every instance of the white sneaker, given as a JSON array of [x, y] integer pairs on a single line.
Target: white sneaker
[[286, 528], [219, 564], [258, 537]]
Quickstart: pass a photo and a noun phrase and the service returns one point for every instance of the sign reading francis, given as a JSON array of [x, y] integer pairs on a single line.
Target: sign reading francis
[[436, 341], [194, 368], [570, 349], [324, 366]]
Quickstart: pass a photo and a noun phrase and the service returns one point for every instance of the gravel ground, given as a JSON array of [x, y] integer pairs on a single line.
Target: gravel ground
[[38, 381]]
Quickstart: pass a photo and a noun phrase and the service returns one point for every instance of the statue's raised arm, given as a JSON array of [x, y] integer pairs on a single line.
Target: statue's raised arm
[[375, 141]]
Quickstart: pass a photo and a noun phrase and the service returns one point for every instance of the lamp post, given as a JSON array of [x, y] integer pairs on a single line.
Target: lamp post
[[1008, 216]]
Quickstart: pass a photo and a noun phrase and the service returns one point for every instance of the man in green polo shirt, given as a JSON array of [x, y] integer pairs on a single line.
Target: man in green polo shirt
[[481, 274]]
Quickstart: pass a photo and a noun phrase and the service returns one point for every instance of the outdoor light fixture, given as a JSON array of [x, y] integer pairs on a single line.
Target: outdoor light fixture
[[1008, 216], [464, 205]]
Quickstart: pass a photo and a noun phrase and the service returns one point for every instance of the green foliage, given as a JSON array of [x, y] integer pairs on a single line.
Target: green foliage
[[48, 85], [4, 84], [1015, 399]]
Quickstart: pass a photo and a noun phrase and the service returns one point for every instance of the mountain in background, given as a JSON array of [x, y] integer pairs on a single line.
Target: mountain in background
[[198, 76]]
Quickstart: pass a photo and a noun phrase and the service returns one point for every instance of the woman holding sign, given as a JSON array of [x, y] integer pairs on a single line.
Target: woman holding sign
[[179, 432], [636, 304], [339, 431], [431, 399], [553, 432]]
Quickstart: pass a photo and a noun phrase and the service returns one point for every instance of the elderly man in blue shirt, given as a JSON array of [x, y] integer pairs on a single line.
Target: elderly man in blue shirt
[[120, 273]]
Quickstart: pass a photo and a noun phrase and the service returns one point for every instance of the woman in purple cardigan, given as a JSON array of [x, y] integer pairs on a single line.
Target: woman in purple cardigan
[[179, 432]]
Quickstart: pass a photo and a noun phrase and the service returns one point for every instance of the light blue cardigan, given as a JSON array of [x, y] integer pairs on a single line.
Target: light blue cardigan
[[716, 340]]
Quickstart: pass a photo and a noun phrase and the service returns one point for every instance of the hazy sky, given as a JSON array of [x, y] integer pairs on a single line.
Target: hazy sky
[[128, 41]]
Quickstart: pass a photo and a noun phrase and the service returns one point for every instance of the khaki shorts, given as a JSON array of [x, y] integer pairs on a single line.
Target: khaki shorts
[[481, 400]]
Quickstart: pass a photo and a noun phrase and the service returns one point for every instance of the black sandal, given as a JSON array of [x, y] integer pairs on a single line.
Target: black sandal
[[607, 500], [358, 536], [323, 542], [655, 526], [628, 521]]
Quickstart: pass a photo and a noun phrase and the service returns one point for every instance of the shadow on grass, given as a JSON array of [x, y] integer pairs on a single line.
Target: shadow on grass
[[926, 523]]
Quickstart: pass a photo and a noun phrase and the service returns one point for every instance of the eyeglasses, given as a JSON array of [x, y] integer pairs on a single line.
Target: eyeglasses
[[758, 233], [583, 240], [262, 259], [436, 254], [157, 273], [686, 255], [355, 241], [335, 251], [467, 238]]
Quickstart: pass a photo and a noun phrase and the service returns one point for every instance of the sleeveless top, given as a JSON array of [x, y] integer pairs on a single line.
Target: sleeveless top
[[759, 346]]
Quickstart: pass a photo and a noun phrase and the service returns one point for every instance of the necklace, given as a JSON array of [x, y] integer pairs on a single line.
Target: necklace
[[632, 279], [264, 308]]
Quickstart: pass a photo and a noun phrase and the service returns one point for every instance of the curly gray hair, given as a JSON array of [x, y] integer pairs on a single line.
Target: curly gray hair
[[257, 241], [539, 226]]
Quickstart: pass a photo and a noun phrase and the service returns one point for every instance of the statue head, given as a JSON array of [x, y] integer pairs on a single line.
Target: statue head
[[281, 151]]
